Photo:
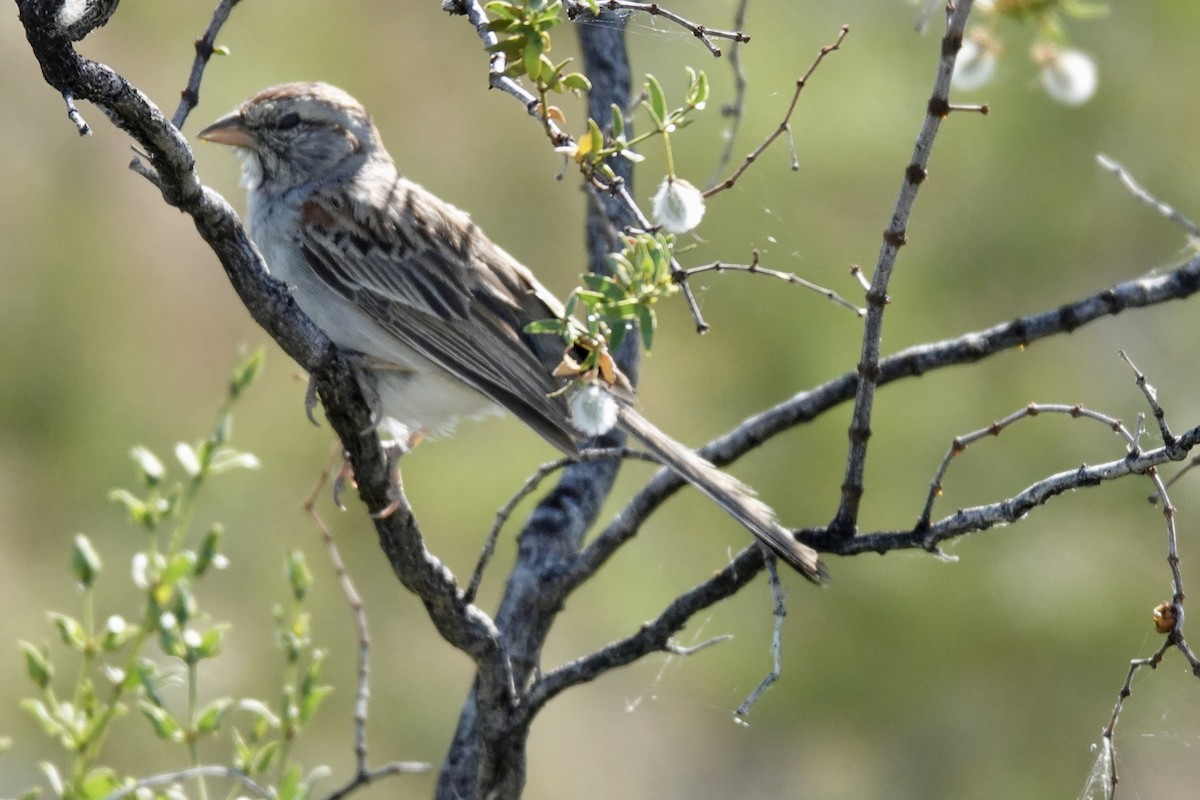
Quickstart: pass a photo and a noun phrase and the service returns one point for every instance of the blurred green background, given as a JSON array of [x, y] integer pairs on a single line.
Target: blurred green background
[[908, 677]]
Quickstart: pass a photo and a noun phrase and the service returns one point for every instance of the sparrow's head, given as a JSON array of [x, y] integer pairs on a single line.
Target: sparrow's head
[[297, 133]]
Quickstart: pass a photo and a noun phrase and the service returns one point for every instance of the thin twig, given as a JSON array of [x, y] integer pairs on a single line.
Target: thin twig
[[735, 109], [1142, 195], [76, 118], [785, 124], [779, 611], [205, 48], [201, 771], [960, 443], [531, 485], [362, 696], [755, 268], [703, 33]]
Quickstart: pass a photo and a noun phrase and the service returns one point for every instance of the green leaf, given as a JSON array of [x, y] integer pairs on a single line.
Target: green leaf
[[657, 100], [245, 372], [42, 714], [140, 513], [289, 787], [298, 574], [576, 82], [85, 561], [209, 719], [697, 95], [37, 664], [531, 58], [210, 550], [311, 701], [165, 726], [116, 633], [99, 783], [647, 323], [151, 469], [70, 630], [210, 641], [618, 122], [179, 566], [264, 758], [544, 326]]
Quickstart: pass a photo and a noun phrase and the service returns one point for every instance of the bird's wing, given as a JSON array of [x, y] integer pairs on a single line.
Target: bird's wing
[[424, 273]]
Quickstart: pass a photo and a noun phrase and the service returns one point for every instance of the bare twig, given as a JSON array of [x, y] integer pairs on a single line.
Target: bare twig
[[780, 613], [362, 773], [202, 771], [960, 443], [845, 521], [76, 118], [205, 48], [531, 485], [786, 123], [701, 32], [1144, 196], [735, 109], [755, 268], [653, 636]]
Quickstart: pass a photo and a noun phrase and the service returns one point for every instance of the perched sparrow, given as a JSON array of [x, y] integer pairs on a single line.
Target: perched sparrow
[[436, 310]]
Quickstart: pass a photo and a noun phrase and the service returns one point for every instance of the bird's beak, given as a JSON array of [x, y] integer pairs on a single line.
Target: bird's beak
[[229, 129]]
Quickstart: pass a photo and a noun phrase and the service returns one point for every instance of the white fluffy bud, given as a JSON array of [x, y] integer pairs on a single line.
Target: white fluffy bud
[[1068, 76], [678, 206], [593, 410]]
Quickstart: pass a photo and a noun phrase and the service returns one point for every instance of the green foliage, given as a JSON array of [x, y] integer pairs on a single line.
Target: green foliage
[[118, 665]]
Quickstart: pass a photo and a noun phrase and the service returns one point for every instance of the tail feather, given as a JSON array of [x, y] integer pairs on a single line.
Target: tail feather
[[736, 498]]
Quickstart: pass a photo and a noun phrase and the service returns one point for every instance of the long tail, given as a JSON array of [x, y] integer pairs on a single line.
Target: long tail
[[736, 498]]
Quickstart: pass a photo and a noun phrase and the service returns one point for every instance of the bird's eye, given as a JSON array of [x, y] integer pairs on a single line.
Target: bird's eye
[[287, 121]]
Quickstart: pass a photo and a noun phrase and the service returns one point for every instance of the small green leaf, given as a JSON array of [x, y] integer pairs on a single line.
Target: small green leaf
[[210, 550], [289, 787], [264, 758], [99, 783], [531, 58], [245, 372], [116, 633], [261, 713], [37, 664], [618, 122], [209, 719], [210, 641], [179, 566], [647, 323], [544, 326], [165, 726], [311, 701], [69, 630], [299, 575], [576, 82], [140, 513], [85, 561], [657, 100]]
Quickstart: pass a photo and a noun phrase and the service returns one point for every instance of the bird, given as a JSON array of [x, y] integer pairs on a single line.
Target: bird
[[432, 309]]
